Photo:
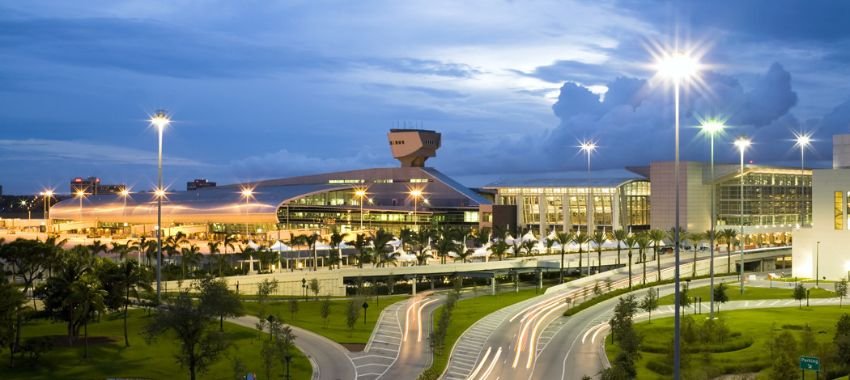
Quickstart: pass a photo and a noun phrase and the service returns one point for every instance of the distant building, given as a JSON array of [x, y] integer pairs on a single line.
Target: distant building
[[198, 183], [92, 186], [413, 146]]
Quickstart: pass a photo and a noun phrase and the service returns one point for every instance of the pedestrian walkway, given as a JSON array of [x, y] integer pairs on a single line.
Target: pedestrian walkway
[[382, 350]]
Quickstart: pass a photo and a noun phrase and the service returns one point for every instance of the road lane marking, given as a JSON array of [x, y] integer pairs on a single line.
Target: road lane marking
[[492, 364], [481, 364]]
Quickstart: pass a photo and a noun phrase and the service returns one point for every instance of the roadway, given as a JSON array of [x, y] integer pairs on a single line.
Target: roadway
[[507, 344]]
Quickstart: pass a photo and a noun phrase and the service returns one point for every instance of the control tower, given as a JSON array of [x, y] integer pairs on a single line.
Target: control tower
[[413, 146]]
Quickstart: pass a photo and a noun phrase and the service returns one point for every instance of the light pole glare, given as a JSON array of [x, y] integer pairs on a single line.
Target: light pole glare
[[247, 192], [742, 143], [159, 193], [588, 146], [361, 194], [80, 193], [712, 127], [160, 120], [125, 192], [677, 65]]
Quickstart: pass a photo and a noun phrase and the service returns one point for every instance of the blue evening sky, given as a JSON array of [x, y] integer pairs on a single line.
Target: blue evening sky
[[263, 89]]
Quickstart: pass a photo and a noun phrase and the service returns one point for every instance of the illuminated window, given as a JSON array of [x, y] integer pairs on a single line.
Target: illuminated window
[[839, 210]]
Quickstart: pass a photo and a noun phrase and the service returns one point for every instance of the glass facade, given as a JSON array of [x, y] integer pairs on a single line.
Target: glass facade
[[629, 203], [770, 199], [838, 211]]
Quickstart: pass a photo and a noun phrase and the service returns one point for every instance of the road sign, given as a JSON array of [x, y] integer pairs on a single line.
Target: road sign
[[809, 363]]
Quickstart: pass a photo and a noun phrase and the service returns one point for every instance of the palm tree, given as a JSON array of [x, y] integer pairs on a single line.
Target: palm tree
[[215, 251], [421, 243], [581, 240], [463, 255], [729, 235], [563, 238], [85, 300], [696, 238], [499, 248], [133, 278], [549, 244], [598, 238], [360, 243], [657, 238], [630, 241], [310, 241], [643, 240], [407, 236], [97, 247], [191, 257], [229, 242], [445, 244], [121, 249], [619, 235], [335, 241], [380, 240], [529, 246], [56, 247]]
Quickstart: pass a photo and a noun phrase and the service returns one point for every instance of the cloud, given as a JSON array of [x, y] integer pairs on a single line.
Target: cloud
[[43, 150], [285, 163]]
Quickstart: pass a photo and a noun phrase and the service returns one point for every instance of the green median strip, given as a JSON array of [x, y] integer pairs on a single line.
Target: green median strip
[[780, 291]]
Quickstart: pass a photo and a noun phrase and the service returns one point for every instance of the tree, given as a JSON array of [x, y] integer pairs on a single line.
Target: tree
[[421, 243], [56, 290], [199, 345], [215, 251], [528, 246], [684, 298], [380, 240], [26, 260], [841, 291], [325, 311], [264, 289], [190, 257], [121, 249], [85, 300], [800, 293], [784, 359], [630, 241], [841, 340], [132, 278], [314, 287], [696, 238], [620, 236], [445, 245], [310, 241], [217, 300], [564, 239], [624, 311], [293, 307], [728, 235], [720, 295], [360, 242], [499, 248], [12, 303], [808, 344], [657, 238], [352, 313], [97, 247], [598, 238], [335, 241], [650, 302], [581, 240], [643, 241], [229, 244]]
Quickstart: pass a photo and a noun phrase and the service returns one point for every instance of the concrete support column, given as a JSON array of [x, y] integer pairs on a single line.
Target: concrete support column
[[565, 210], [516, 282], [544, 210], [539, 279], [414, 285], [493, 285], [615, 212], [432, 283], [520, 200]]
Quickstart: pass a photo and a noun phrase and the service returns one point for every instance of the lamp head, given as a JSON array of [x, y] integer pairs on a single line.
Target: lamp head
[[80, 193], [125, 192], [48, 193], [712, 127], [803, 140], [677, 65], [416, 193], [160, 120], [742, 143], [360, 193], [247, 192], [159, 193], [587, 146]]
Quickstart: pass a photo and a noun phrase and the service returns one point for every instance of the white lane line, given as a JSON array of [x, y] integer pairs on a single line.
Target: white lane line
[[373, 356], [492, 364], [593, 339], [419, 317], [564, 363], [584, 337], [481, 364], [532, 343]]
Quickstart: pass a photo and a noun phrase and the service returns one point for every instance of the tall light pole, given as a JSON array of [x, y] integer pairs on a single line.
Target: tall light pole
[[47, 195], [80, 194], [416, 194], [742, 143], [160, 120], [817, 265], [803, 141], [247, 193], [588, 147], [678, 67], [361, 194], [712, 128]]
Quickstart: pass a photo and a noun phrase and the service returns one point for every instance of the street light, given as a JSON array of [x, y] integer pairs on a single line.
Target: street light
[[160, 121], [678, 67], [711, 128], [416, 193], [360, 193], [588, 147], [817, 265], [46, 196], [29, 208], [247, 193], [742, 143], [802, 140], [80, 193]]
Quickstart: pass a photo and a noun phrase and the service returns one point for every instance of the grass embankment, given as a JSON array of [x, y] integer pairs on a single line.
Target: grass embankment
[[108, 358], [750, 293], [465, 314], [747, 350], [309, 316]]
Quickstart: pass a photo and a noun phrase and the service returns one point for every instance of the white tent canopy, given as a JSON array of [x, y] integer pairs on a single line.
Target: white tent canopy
[[252, 245], [529, 236], [279, 246]]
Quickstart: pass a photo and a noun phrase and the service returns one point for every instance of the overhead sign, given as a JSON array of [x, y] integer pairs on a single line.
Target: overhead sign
[[809, 363]]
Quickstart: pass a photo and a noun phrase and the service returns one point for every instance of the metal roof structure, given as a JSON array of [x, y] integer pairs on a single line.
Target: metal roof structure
[[562, 182]]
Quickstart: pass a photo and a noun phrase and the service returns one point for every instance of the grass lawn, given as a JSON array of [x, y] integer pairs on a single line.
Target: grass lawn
[[466, 313], [752, 355], [781, 291], [110, 359], [309, 317]]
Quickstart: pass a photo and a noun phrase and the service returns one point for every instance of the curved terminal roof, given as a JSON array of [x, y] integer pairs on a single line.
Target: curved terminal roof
[[387, 188], [563, 182], [225, 205]]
